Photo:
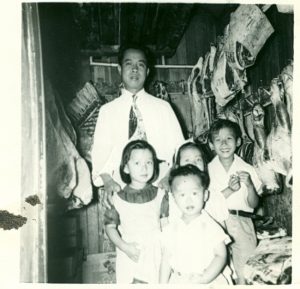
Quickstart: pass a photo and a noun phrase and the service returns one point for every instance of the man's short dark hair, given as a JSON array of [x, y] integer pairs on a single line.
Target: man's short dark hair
[[224, 123], [145, 50], [138, 144], [189, 170]]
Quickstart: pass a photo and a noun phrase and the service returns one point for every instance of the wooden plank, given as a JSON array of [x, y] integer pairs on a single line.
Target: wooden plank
[[84, 229], [93, 234]]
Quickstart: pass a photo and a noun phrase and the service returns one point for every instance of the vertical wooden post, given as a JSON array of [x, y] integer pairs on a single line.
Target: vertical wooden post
[[33, 267]]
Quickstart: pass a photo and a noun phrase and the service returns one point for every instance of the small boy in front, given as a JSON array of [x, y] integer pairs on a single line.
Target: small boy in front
[[194, 245], [239, 183]]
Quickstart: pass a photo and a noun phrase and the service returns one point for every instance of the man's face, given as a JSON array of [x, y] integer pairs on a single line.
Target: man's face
[[133, 70]]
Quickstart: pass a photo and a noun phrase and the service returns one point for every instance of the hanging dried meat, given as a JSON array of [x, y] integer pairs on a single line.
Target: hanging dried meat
[[67, 172], [286, 77], [279, 140], [226, 82], [199, 103], [261, 156], [161, 90], [248, 31], [244, 36]]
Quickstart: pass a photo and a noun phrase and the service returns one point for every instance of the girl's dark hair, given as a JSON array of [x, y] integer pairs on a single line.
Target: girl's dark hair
[[142, 145], [224, 123], [190, 145], [189, 170]]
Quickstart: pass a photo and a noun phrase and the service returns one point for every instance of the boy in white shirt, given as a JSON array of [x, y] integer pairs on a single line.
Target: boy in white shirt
[[194, 245], [239, 183]]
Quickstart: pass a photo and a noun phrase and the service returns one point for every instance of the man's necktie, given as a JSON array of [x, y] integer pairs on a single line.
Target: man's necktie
[[136, 126]]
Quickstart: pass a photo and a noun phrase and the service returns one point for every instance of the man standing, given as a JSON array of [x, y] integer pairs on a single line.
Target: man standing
[[134, 115]]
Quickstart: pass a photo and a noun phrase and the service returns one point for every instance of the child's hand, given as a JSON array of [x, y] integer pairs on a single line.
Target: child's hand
[[234, 183], [132, 251], [245, 178]]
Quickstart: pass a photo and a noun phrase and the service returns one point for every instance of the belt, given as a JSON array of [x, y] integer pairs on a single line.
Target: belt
[[246, 214]]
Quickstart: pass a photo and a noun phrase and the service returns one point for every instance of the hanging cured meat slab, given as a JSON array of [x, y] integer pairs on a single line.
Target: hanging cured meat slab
[[244, 37], [279, 140], [248, 30], [226, 82], [261, 155], [67, 172]]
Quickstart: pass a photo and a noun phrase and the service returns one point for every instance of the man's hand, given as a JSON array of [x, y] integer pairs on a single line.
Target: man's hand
[[132, 251], [234, 183], [110, 187]]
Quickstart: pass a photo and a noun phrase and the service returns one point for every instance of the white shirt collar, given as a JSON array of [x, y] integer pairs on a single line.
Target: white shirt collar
[[127, 93]]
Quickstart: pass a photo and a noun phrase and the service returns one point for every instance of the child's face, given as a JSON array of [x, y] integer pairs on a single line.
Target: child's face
[[225, 143], [189, 195], [140, 167], [191, 155]]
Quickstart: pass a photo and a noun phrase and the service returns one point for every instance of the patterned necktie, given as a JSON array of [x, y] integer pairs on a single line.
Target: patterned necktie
[[132, 118], [136, 126]]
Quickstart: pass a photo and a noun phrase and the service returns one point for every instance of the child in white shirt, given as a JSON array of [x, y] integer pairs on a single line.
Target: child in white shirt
[[239, 184], [194, 246], [191, 153]]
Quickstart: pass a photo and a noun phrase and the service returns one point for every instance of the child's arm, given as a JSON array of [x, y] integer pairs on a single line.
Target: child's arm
[[253, 197], [215, 267], [130, 249], [165, 268]]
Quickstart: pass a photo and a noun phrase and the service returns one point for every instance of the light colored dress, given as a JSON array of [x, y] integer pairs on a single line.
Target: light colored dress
[[190, 247], [139, 214]]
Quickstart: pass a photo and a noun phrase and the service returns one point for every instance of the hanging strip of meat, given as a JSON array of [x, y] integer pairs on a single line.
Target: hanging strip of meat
[[199, 105], [286, 77], [279, 140], [261, 158]]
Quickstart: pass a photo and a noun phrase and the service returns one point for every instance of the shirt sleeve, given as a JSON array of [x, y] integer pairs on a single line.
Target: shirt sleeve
[[217, 234], [111, 216], [216, 207], [175, 135], [102, 146], [256, 181]]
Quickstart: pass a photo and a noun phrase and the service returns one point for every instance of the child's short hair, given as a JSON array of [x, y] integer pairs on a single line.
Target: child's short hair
[[190, 145], [189, 170], [224, 123], [138, 144]]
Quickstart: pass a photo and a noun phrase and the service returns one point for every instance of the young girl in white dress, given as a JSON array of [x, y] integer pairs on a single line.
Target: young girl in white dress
[[133, 223]]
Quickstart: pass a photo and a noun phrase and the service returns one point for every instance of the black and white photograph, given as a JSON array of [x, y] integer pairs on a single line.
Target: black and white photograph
[[138, 121]]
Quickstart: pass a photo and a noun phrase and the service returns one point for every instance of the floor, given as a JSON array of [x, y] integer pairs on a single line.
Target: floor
[[99, 269]]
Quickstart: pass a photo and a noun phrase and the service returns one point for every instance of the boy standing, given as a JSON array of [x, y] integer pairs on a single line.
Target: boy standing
[[194, 245], [239, 183]]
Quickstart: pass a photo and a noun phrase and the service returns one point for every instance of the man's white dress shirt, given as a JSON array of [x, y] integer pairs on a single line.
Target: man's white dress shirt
[[111, 133]]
